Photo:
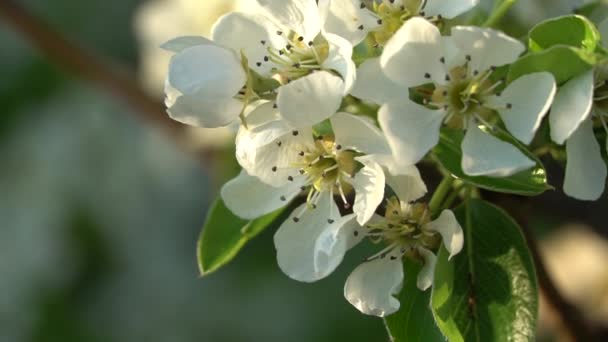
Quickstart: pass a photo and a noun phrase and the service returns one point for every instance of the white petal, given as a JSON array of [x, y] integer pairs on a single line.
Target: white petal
[[311, 99], [354, 132], [372, 286], [206, 69], [427, 273], [340, 60], [179, 44], [407, 184], [486, 47], [311, 248], [200, 111], [411, 129], [412, 53], [530, 97], [373, 85], [301, 16], [347, 19], [485, 155], [585, 169], [270, 151], [448, 9], [243, 32], [248, 197], [369, 185], [572, 106], [449, 229]]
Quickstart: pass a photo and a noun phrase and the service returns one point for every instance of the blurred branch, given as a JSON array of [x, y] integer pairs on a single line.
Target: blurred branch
[[78, 62], [570, 317]]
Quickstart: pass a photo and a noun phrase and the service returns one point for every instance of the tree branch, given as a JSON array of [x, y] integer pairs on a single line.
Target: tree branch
[[78, 62]]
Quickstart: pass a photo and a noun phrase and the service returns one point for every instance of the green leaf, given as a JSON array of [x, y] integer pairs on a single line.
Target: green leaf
[[529, 182], [488, 292], [564, 62], [414, 321], [571, 30], [225, 234]]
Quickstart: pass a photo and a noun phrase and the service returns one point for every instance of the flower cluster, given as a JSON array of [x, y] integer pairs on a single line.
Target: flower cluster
[[288, 73]]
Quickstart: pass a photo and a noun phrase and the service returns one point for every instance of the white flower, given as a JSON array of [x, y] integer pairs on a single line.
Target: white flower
[[354, 19], [408, 232], [203, 83], [285, 40], [158, 21], [577, 103], [463, 95], [280, 162]]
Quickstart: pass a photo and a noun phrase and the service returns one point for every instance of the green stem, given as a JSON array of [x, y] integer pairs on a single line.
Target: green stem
[[441, 192], [452, 197], [500, 10]]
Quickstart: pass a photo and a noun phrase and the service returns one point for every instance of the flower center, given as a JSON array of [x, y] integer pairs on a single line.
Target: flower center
[[297, 58], [402, 227], [463, 94], [391, 17]]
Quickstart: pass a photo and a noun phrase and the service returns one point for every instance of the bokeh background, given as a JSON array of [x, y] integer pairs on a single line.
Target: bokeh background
[[100, 209]]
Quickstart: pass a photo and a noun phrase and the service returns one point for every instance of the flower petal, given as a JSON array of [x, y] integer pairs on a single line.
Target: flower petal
[[308, 246], [248, 197], [412, 56], [301, 16], [340, 60], [206, 69], [369, 185], [179, 44], [373, 85], [485, 155], [585, 169], [449, 229], [270, 151], [311, 99], [486, 47], [524, 103], [372, 286], [571, 107], [347, 19], [407, 184], [448, 9], [411, 130], [197, 110], [354, 132], [427, 273], [244, 32]]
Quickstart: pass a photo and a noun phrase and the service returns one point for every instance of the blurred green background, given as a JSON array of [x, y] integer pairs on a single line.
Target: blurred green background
[[100, 211]]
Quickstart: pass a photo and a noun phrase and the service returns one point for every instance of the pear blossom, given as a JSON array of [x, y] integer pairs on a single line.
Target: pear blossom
[[285, 40], [355, 19], [454, 76], [198, 95], [281, 162], [578, 103], [408, 231]]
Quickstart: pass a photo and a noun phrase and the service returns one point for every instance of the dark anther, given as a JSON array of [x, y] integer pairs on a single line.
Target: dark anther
[[279, 33], [356, 233], [338, 147], [310, 43], [442, 60], [360, 27], [290, 179], [275, 106], [301, 154], [296, 220], [509, 106], [283, 198], [379, 21], [330, 221], [263, 42], [258, 63], [393, 257], [468, 57], [295, 133], [300, 39], [266, 58], [362, 6], [447, 78], [279, 143], [274, 169], [427, 75]]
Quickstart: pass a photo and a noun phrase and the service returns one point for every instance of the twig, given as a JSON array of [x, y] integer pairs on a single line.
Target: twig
[[79, 63]]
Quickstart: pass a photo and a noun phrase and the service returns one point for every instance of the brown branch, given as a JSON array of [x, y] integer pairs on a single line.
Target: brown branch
[[570, 317], [86, 66]]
